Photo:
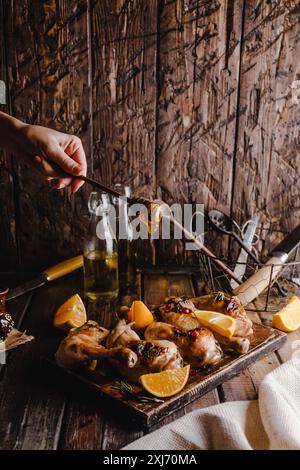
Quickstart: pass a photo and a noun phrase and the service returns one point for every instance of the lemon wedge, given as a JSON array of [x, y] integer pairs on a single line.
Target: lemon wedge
[[167, 383], [71, 314], [288, 318], [222, 324], [140, 314]]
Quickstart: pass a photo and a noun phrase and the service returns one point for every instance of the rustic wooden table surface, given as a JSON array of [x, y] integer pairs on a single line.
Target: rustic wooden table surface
[[40, 410]]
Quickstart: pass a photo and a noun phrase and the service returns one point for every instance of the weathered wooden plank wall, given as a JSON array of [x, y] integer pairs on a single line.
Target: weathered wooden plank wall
[[199, 52], [267, 158], [47, 60], [189, 100], [8, 239], [123, 45]]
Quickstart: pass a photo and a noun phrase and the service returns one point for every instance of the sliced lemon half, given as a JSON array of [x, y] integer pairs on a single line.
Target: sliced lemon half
[[167, 383], [71, 314], [288, 318], [222, 324]]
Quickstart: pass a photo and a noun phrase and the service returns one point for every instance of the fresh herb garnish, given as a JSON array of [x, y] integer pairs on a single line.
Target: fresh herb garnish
[[220, 296], [128, 393]]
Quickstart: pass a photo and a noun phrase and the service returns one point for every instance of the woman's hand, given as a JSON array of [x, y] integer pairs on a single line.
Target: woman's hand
[[53, 154]]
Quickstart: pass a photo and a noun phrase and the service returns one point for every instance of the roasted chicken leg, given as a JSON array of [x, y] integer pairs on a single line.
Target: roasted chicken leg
[[198, 346], [131, 356], [230, 306], [83, 346], [121, 335], [182, 317], [152, 356]]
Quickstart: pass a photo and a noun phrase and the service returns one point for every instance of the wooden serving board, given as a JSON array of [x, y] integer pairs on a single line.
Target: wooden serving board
[[263, 341], [154, 286]]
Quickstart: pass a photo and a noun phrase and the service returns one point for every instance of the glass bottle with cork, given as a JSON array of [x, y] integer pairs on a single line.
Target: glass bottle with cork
[[126, 244], [100, 252]]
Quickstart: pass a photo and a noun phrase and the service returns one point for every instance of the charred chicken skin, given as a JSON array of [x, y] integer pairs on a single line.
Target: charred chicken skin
[[179, 312], [130, 355], [83, 346], [151, 356], [198, 346], [230, 306]]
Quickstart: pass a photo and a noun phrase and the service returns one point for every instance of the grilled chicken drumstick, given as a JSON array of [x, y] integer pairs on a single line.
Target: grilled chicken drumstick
[[83, 345], [131, 356], [179, 312], [198, 346], [121, 335], [230, 306], [152, 356]]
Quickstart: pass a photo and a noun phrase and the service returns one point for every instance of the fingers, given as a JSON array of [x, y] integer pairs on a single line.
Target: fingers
[[66, 163], [61, 157], [46, 168], [76, 184], [78, 154], [63, 183], [76, 151], [73, 161], [51, 171]]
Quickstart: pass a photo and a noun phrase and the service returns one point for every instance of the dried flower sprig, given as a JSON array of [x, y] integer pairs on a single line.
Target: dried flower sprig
[[128, 393]]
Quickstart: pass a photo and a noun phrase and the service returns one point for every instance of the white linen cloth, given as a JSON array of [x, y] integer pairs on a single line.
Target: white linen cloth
[[269, 423], [14, 339]]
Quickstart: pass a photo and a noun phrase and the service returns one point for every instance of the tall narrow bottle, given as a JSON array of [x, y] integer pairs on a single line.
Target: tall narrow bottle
[[100, 253], [126, 246]]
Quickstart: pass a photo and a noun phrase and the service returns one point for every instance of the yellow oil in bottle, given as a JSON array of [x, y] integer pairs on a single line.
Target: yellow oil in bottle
[[127, 266], [101, 275]]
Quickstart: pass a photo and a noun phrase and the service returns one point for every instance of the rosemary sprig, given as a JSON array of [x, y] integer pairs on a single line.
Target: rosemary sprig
[[220, 296], [128, 393]]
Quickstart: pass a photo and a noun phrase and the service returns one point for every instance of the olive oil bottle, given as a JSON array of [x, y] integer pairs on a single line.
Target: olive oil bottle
[[101, 275], [101, 281], [126, 244]]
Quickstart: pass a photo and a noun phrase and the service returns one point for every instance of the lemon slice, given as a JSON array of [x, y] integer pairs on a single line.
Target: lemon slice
[[71, 314], [222, 324], [167, 383], [288, 318]]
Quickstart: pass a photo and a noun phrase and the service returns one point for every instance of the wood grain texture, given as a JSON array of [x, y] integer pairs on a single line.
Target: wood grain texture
[[153, 89], [8, 237], [39, 410], [199, 55], [32, 400], [267, 159], [48, 69], [199, 51], [124, 93]]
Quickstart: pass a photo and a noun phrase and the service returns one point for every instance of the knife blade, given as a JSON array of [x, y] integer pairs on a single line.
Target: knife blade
[[27, 287], [259, 281], [50, 274]]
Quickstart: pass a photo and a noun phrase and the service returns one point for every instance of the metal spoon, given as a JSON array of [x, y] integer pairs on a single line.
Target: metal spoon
[[224, 224]]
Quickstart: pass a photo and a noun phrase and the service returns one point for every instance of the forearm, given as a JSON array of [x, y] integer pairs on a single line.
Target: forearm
[[10, 132], [53, 154]]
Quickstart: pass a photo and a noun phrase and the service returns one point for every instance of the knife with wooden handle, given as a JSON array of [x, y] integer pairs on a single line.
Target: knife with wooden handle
[[259, 281], [50, 274]]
